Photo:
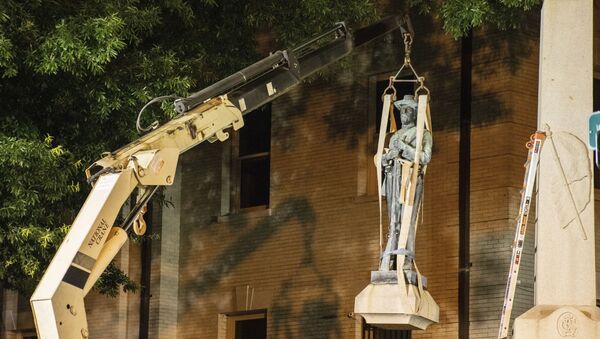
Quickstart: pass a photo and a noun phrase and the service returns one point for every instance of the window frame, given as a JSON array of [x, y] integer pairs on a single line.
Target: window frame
[[231, 174], [228, 321], [367, 331]]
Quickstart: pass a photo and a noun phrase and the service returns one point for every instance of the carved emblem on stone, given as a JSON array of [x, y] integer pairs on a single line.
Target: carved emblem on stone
[[573, 193], [566, 325]]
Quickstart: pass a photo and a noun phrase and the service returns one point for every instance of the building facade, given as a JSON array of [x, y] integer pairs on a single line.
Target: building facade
[[276, 238]]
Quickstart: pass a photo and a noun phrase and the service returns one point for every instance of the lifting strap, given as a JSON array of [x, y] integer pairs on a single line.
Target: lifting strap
[[393, 125], [385, 113], [408, 208]]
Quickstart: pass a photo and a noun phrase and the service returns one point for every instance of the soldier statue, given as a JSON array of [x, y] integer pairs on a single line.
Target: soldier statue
[[398, 162]]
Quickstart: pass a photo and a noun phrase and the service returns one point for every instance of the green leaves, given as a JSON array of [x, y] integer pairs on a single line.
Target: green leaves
[[33, 187], [112, 278], [7, 64], [460, 16], [80, 45]]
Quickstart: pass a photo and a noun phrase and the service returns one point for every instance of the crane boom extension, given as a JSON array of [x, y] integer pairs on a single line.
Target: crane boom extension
[[93, 241], [285, 69]]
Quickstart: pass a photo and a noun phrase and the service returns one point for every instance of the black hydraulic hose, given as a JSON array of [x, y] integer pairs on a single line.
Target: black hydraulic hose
[[299, 62], [339, 30], [232, 81], [133, 214]]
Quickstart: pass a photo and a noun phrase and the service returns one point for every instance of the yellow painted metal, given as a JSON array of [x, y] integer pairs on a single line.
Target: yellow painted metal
[[139, 224], [117, 237], [205, 122], [57, 302], [155, 167]]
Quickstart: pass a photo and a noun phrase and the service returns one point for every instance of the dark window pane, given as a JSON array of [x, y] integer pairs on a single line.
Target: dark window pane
[[402, 88], [251, 329], [254, 182], [255, 136], [371, 332]]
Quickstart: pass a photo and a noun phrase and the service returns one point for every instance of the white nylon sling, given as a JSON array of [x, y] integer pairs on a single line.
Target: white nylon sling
[[385, 115]]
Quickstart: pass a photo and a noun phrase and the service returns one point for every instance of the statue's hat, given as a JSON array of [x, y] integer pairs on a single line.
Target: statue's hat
[[408, 100]]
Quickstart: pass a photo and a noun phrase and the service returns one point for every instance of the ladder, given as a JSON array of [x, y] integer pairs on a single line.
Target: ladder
[[533, 158]]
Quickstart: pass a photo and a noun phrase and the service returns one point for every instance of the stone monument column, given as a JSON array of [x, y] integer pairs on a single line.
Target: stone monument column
[[565, 288]]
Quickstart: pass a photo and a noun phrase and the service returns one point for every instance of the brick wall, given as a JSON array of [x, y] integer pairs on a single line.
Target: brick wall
[[312, 251], [504, 116], [308, 255], [118, 317]]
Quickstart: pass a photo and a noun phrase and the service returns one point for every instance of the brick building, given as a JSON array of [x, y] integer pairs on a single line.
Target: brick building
[[289, 255]]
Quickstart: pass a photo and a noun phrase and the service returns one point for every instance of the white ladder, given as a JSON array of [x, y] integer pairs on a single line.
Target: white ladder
[[533, 158]]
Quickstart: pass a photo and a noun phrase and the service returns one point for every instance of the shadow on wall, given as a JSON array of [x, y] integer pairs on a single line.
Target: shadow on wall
[[252, 238], [319, 316], [308, 307]]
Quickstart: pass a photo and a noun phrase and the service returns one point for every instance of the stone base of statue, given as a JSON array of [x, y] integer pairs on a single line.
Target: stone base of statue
[[550, 321], [386, 304]]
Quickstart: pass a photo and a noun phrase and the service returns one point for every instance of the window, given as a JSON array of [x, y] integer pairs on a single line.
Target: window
[[371, 332], [251, 328], [246, 169], [377, 85], [244, 325], [254, 155]]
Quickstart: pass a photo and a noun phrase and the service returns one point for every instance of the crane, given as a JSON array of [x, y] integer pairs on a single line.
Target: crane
[[151, 161]]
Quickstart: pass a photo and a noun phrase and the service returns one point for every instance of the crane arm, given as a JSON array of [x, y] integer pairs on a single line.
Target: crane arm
[[92, 242]]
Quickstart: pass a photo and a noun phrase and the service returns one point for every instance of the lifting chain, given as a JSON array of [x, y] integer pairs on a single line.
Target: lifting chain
[[407, 47], [408, 40]]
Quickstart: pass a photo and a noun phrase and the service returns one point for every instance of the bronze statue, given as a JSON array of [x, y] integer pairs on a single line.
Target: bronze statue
[[397, 163]]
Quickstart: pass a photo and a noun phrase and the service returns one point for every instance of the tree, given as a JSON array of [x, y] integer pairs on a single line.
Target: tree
[[75, 73], [460, 16]]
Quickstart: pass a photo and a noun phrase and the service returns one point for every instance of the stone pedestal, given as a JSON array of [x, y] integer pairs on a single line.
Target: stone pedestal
[[549, 321], [396, 306], [403, 304], [565, 258]]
